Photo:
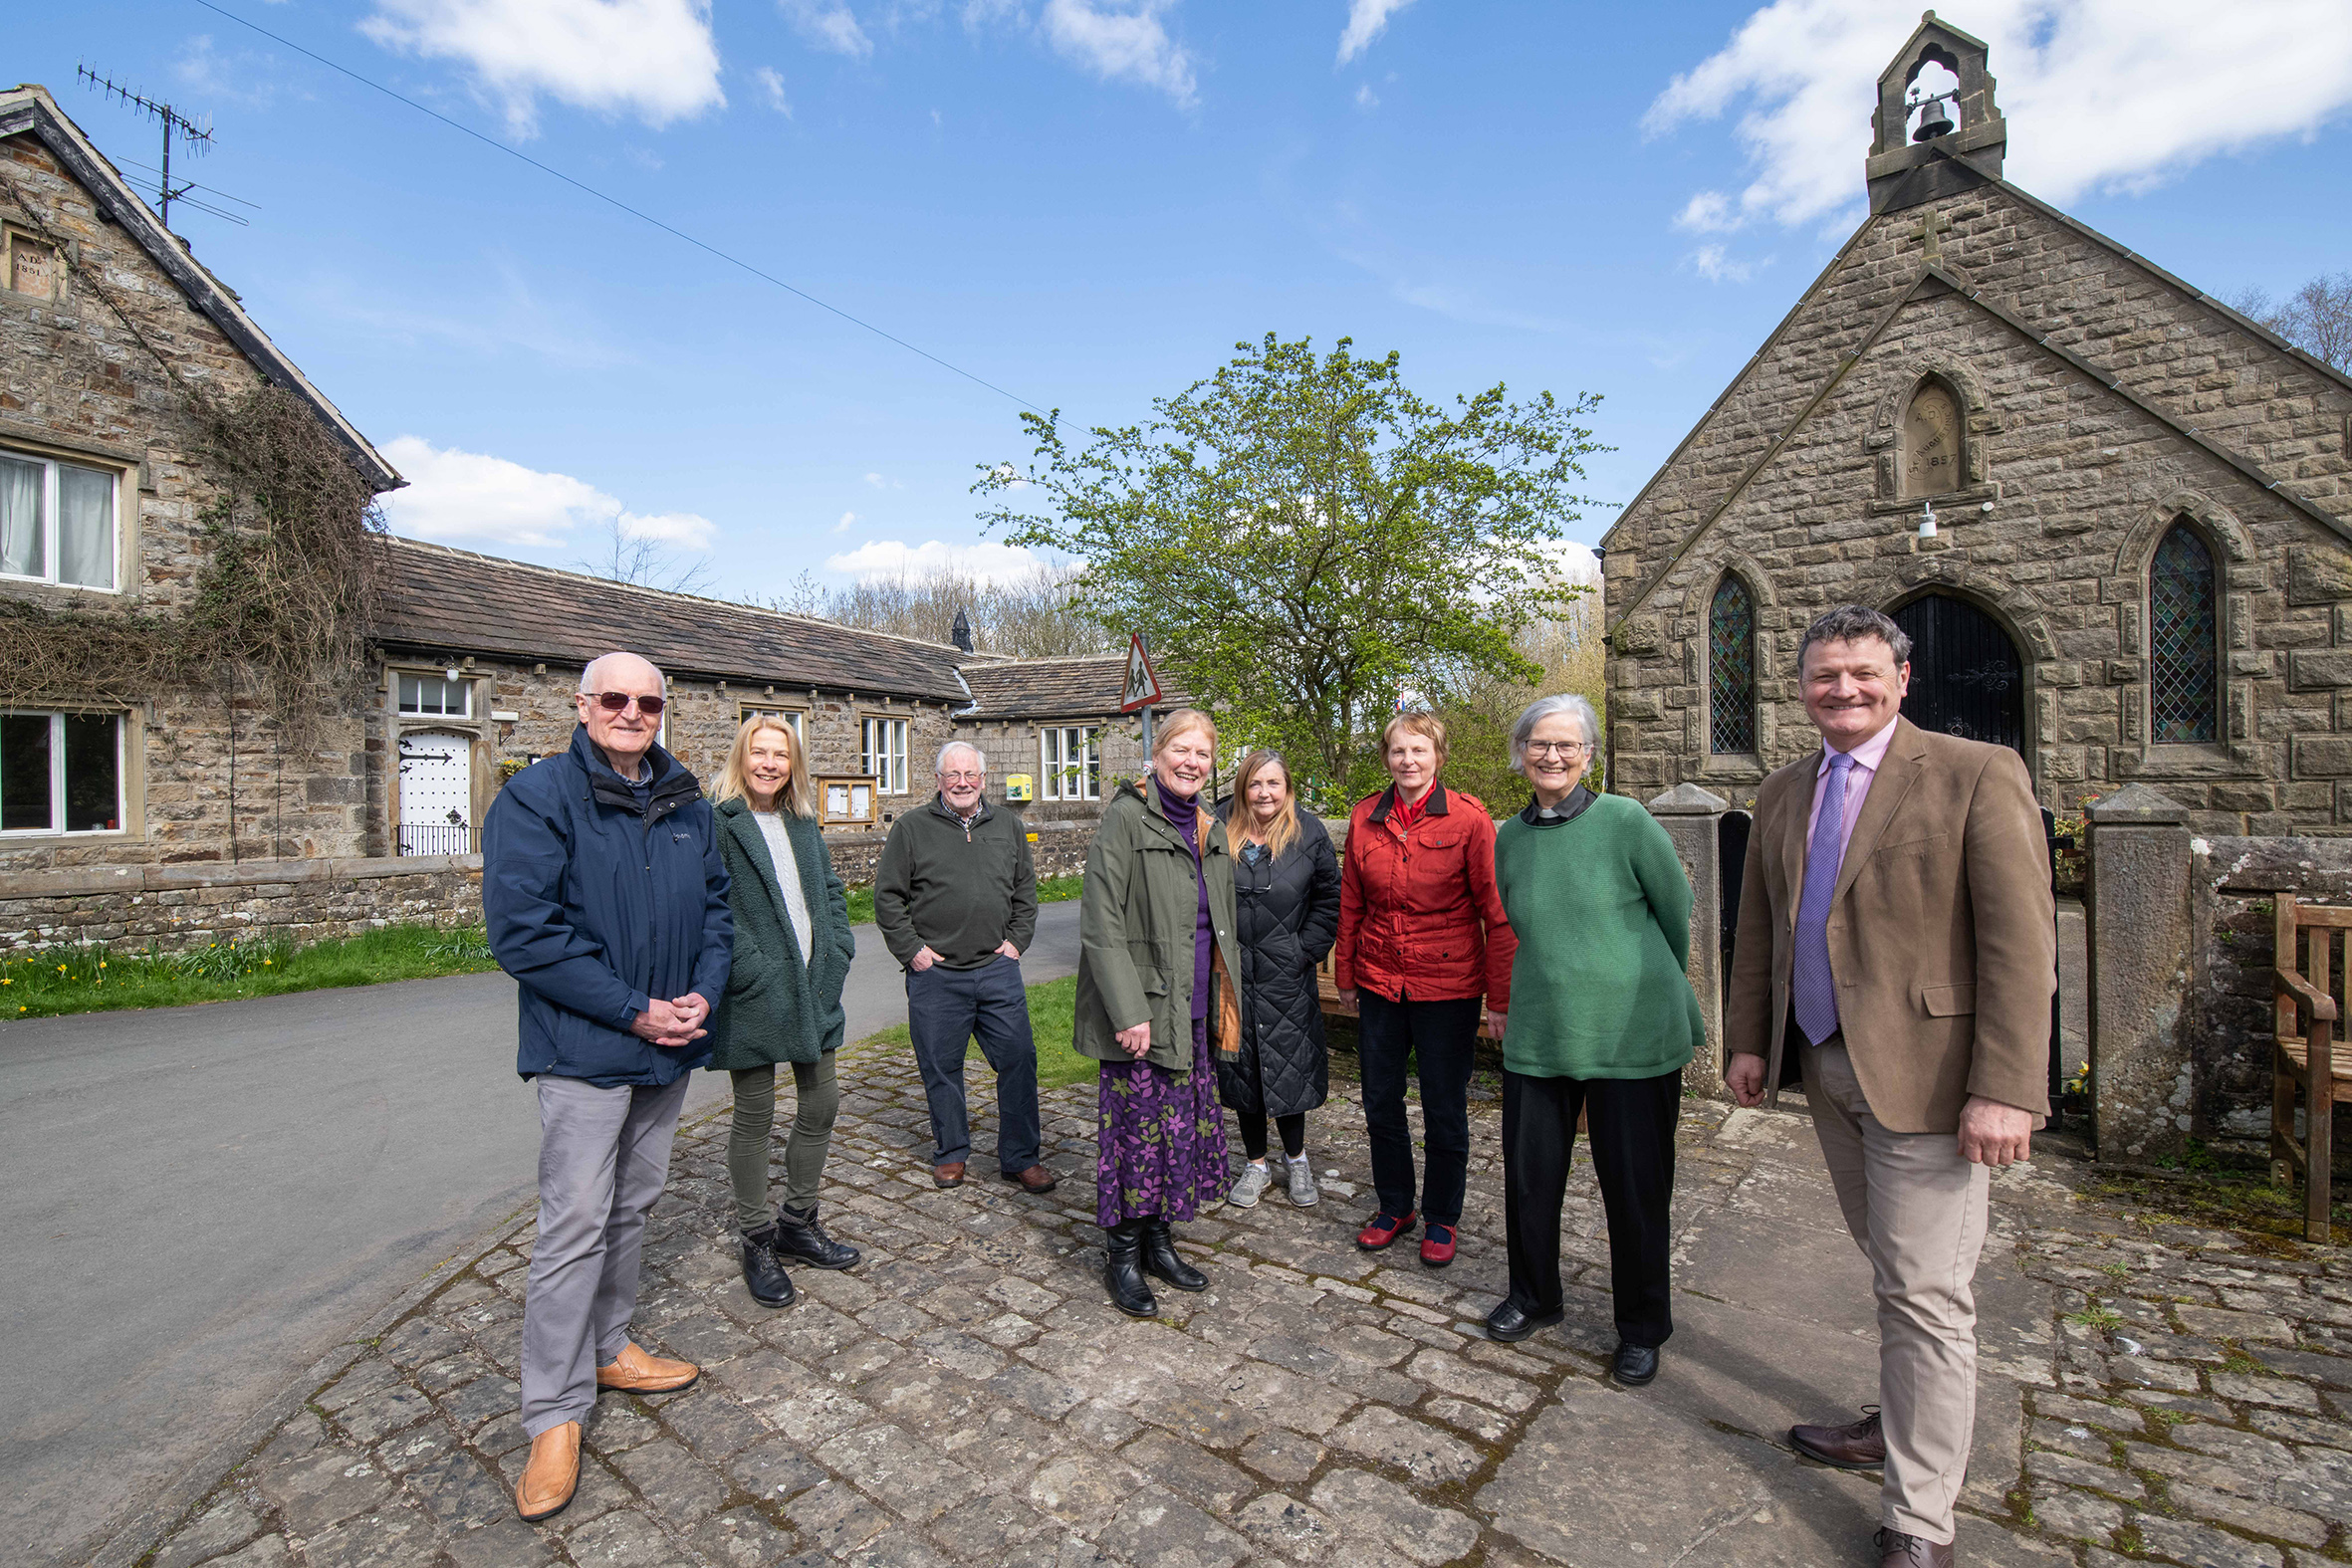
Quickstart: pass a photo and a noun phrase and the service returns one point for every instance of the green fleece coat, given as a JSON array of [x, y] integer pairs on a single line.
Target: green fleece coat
[[1136, 922], [778, 1009]]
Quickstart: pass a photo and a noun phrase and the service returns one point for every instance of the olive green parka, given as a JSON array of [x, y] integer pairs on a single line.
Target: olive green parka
[[778, 1009], [1136, 922]]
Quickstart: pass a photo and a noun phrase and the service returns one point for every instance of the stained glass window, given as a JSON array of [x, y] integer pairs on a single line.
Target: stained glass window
[[1731, 668], [2184, 677]]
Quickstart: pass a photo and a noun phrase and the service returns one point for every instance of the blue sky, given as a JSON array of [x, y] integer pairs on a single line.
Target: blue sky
[[1087, 202]]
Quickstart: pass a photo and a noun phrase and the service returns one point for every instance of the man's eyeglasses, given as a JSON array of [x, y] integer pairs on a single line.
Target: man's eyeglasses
[[1562, 749], [618, 702], [962, 777]]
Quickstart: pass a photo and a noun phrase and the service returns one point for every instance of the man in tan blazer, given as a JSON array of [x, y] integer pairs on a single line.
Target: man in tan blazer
[[1897, 949]]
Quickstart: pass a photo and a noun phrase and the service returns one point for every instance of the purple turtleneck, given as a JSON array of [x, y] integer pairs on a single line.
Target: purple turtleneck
[[1183, 811]]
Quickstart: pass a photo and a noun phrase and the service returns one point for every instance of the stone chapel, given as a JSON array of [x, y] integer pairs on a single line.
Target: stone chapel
[[2114, 515]]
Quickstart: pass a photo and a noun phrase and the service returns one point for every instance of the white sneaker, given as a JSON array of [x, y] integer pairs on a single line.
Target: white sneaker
[[1303, 1187], [1251, 1186]]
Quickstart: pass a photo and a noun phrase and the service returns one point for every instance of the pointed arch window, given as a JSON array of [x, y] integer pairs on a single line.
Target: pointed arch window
[[1731, 669], [2183, 652], [1933, 434]]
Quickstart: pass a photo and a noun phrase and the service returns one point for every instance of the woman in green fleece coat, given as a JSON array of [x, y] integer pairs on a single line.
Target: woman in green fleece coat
[[1603, 1022], [793, 947]]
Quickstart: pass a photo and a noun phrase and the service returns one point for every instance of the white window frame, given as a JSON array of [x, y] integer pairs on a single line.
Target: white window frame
[[1054, 752], [462, 685], [57, 778], [797, 718], [887, 762], [49, 531]]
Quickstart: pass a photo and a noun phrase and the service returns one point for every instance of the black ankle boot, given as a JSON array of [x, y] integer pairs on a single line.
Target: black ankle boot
[[1122, 1272], [1161, 1259], [770, 1286], [799, 1236]]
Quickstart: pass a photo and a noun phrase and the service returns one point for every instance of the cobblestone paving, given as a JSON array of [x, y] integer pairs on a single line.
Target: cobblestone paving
[[2151, 1392]]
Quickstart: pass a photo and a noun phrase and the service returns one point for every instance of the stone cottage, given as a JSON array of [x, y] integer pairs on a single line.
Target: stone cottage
[[2110, 511], [1058, 721]]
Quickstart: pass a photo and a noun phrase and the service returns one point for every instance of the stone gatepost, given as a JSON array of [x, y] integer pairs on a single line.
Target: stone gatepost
[[1693, 818], [2139, 925]]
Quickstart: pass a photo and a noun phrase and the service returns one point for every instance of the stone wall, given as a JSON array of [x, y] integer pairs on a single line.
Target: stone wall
[[1018, 747], [177, 906], [2080, 483]]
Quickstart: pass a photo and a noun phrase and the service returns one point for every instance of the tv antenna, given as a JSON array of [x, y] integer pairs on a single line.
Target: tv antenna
[[193, 135]]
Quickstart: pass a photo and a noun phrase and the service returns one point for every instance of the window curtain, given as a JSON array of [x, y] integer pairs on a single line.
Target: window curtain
[[20, 519], [86, 527]]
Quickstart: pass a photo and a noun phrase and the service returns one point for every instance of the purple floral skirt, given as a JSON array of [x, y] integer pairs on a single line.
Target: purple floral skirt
[[1162, 1140]]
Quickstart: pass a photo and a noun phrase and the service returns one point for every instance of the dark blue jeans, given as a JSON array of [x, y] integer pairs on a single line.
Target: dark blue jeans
[[1436, 1036], [946, 1010]]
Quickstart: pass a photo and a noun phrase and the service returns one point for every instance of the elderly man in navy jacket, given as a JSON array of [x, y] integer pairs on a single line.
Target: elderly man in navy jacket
[[607, 901]]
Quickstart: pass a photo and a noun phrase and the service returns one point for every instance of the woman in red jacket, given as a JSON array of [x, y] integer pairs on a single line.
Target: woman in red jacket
[[1423, 942]]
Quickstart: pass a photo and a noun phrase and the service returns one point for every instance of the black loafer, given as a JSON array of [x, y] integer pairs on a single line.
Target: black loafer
[[1510, 1325], [1635, 1364]]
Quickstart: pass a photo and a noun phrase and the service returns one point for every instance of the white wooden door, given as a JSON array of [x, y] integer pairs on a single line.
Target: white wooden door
[[436, 795]]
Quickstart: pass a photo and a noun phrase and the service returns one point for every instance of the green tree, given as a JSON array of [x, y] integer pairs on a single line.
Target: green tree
[[1309, 540]]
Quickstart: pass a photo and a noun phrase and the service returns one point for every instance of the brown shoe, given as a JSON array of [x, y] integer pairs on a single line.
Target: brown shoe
[[634, 1372], [551, 1476], [1859, 1446], [1897, 1550], [948, 1175], [1037, 1179]]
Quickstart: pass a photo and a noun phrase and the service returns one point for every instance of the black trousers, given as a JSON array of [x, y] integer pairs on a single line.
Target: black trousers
[[1293, 1129], [1632, 1125], [1436, 1036]]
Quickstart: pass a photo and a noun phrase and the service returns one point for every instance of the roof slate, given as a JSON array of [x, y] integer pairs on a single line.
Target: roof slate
[[1080, 688], [453, 600]]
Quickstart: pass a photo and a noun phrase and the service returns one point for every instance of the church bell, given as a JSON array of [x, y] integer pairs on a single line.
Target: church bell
[[1935, 121]]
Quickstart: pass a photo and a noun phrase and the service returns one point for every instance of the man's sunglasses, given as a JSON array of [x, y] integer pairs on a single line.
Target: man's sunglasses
[[618, 702]]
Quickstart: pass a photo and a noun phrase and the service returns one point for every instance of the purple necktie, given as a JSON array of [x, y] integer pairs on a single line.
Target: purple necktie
[[1815, 988]]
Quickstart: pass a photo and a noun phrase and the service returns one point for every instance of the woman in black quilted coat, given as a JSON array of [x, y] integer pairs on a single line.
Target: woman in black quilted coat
[[1285, 882]]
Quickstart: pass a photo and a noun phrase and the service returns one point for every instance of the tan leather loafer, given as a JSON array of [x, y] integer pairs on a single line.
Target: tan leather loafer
[[551, 1475], [634, 1372], [948, 1175]]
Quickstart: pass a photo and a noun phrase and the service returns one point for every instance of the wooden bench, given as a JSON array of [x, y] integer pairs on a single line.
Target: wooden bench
[[2304, 974]]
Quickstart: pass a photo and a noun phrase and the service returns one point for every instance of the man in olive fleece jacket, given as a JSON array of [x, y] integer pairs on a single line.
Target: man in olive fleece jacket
[[956, 896]]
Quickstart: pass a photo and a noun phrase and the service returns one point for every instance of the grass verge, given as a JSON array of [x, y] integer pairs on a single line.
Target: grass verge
[[1051, 890], [98, 978], [1052, 1005]]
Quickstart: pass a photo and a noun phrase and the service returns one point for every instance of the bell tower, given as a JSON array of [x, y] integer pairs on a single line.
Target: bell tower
[[1937, 131]]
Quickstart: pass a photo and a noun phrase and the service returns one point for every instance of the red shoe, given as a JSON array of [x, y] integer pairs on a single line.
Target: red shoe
[[1437, 1247], [1383, 1229]]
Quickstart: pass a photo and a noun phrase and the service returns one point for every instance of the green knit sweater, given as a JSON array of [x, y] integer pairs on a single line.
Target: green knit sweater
[[1603, 916]]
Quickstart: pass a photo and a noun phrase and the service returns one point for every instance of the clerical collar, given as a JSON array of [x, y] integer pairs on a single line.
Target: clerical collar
[[1540, 815]]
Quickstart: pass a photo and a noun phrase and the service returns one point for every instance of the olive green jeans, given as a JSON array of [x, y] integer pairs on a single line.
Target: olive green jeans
[[820, 1096]]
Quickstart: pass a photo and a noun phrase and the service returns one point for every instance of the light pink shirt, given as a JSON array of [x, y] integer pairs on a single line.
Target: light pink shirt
[[1866, 757]]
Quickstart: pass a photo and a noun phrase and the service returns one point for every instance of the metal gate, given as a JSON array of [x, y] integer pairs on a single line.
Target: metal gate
[[1965, 676]]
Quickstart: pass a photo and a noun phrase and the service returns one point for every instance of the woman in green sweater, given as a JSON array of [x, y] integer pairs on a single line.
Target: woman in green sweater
[[793, 947], [1603, 1022]]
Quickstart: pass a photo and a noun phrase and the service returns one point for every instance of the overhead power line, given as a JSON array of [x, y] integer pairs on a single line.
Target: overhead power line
[[614, 201]]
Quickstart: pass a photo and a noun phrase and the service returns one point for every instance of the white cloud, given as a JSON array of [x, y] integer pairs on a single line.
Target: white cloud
[[771, 85], [987, 560], [1710, 262], [652, 59], [1366, 98], [2100, 95], [847, 517], [874, 480], [454, 495], [828, 24], [1366, 19], [1708, 212], [1119, 39]]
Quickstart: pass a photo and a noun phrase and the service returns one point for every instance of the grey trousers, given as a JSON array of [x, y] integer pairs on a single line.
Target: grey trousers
[[1916, 1209], [603, 1157]]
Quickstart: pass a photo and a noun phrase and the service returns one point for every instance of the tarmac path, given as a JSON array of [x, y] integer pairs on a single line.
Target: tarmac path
[[198, 1202]]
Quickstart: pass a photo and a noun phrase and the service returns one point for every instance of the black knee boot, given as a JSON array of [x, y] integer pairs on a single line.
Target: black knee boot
[[1161, 1259], [763, 1272], [1123, 1273]]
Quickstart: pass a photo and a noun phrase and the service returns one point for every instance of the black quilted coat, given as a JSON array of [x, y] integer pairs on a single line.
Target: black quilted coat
[[1289, 912]]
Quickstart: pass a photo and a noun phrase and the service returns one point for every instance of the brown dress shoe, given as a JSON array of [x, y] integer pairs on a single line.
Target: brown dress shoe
[[948, 1175], [551, 1476], [1037, 1179], [1897, 1550], [1859, 1447], [634, 1372]]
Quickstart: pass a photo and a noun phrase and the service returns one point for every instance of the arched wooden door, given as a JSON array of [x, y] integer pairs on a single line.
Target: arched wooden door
[[1967, 678]]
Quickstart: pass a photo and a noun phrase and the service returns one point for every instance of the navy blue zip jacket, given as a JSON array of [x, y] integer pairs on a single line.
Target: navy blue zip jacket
[[595, 903]]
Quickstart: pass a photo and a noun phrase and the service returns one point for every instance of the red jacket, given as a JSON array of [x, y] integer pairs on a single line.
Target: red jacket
[[1419, 916]]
